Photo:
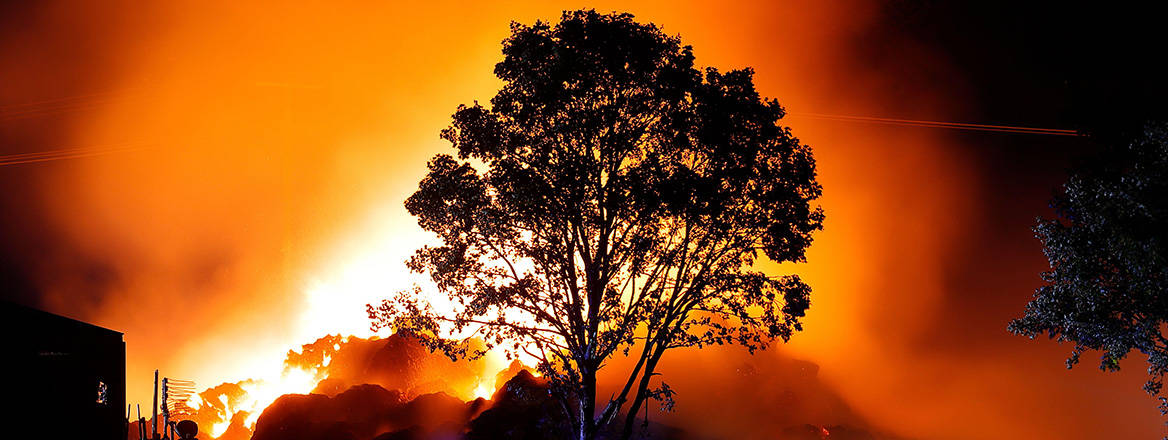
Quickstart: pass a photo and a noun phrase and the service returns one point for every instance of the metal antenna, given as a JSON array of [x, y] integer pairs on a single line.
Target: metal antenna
[[175, 395]]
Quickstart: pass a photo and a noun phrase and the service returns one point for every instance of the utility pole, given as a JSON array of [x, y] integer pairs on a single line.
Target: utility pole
[[154, 409]]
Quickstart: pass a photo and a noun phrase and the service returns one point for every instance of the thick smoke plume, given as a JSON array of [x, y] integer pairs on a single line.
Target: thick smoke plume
[[263, 151]]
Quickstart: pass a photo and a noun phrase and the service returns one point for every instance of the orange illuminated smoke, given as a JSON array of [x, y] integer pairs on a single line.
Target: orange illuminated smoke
[[279, 140]]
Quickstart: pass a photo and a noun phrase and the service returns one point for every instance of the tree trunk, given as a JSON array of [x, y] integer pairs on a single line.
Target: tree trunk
[[641, 396], [587, 425]]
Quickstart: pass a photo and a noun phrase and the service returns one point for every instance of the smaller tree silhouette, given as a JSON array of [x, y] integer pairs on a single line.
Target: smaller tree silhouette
[[612, 199], [1107, 288]]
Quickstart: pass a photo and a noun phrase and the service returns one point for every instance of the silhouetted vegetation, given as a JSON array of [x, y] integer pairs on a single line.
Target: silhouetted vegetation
[[1107, 288], [612, 198]]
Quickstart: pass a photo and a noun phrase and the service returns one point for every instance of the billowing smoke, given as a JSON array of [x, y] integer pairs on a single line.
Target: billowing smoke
[[250, 161]]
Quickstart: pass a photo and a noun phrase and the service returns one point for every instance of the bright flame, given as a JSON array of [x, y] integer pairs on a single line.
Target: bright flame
[[262, 393], [362, 269], [218, 429], [195, 402], [240, 404], [258, 394], [483, 390]]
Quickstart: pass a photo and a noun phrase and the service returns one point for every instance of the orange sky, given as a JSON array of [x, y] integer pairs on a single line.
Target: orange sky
[[281, 140]]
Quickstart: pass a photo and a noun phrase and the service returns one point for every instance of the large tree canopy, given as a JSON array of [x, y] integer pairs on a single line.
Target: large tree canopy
[[612, 198], [1107, 288]]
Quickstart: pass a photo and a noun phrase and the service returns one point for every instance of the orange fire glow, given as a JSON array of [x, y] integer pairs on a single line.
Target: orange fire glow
[[393, 363], [280, 139]]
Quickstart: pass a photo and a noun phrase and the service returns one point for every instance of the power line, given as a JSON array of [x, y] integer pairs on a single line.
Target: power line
[[72, 153], [81, 152], [78, 102], [939, 124], [68, 103], [90, 100]]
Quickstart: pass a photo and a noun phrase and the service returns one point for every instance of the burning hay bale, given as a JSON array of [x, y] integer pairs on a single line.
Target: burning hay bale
[[391, 381], [523, 408], [397, 363], [362, 412], [394, 389]]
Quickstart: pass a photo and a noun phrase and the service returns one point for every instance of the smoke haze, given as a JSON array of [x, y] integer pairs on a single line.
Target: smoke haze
[[254, 157]]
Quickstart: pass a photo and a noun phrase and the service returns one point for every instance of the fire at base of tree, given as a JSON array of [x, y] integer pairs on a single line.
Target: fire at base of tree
[[395, 388]]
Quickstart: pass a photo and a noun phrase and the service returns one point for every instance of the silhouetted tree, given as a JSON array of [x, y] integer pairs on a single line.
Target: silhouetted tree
[[1107, 288], [612, 198]]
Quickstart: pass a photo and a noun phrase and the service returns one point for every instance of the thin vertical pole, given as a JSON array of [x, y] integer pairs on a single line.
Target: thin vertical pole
[[154, 410], [165, 411]]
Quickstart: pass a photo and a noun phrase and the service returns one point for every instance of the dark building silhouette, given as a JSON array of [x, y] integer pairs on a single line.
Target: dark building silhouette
[[66, 378]]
